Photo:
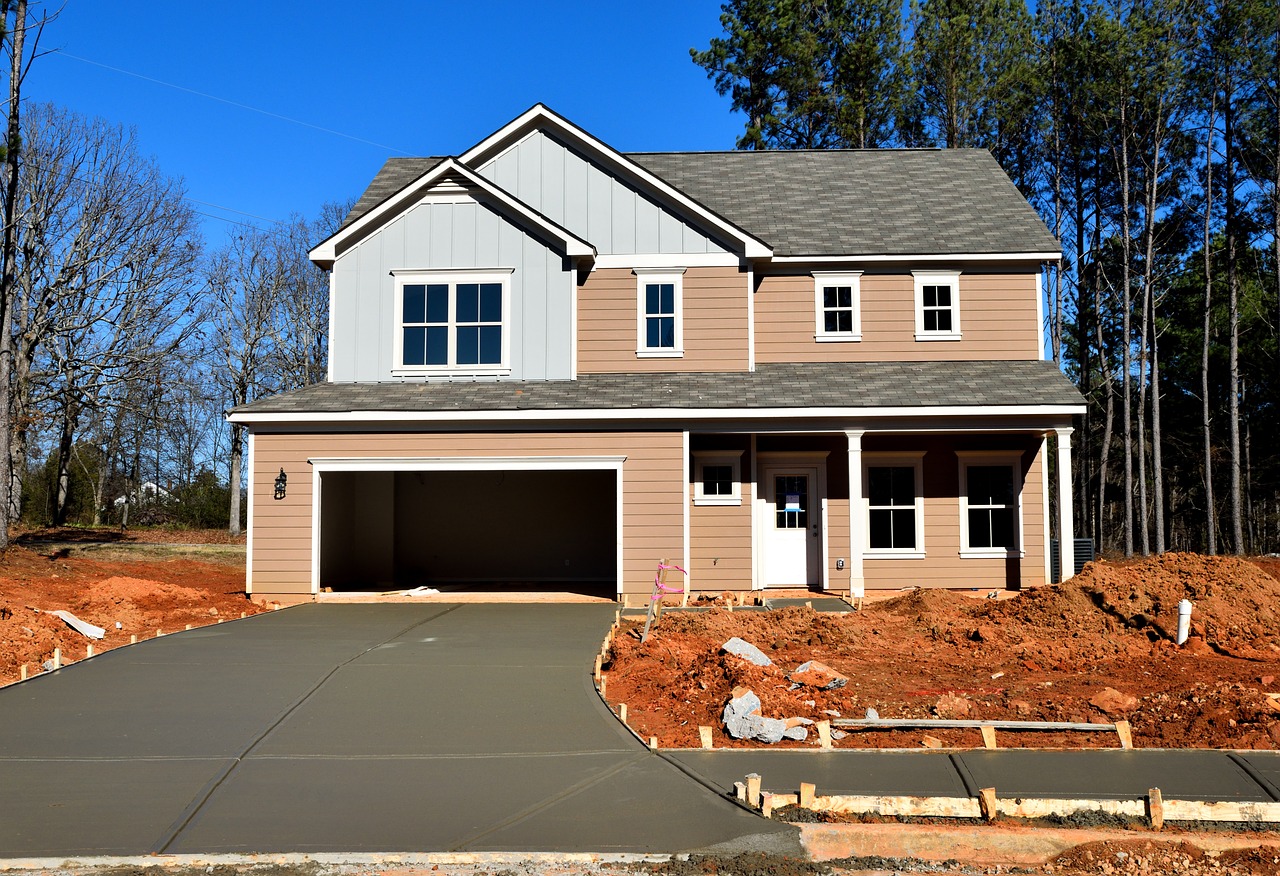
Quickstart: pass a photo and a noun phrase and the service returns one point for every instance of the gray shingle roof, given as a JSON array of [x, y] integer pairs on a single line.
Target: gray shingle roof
[[863, 202], [391, 178], [885, 202], [834, 385]]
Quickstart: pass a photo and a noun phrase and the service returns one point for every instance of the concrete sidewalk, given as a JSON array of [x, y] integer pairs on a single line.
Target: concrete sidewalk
[[1212, 776], [353, 728]]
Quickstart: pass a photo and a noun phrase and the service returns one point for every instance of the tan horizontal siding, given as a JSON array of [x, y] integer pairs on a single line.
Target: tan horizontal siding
[[652, 473], [714, 316], [998, 320], [942, 565]]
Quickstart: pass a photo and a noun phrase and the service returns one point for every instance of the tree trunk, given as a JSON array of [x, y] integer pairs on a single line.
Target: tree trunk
[[64, 467], [1206, 411], [237, 453], [1233, 310], [1126, 333], [8, 257]]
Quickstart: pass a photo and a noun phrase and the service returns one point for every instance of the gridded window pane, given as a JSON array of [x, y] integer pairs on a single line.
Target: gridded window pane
[[415, 342], [717, 480], [468, 302], [660, 299], [437, 303], [468, 345], [668, 298], [415, 305], [660, 332], [491, 302], [891, 500], [937, 308], [990, 485], [837, 304], [437, 346], [791, 500], [991, 500], [490, 345]]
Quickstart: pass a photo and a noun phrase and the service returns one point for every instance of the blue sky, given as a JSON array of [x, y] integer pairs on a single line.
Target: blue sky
[[391, 78]]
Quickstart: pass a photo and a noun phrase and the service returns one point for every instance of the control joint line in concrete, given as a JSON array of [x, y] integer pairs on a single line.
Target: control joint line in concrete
[[489, 755], [1252, 773], [545, 804], [966, 777], [704, 781], [188, 813]]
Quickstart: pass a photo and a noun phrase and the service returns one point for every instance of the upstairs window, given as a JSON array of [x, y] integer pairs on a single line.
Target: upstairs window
[[838, 304], [660, 325], [452, 323], [937, 295]]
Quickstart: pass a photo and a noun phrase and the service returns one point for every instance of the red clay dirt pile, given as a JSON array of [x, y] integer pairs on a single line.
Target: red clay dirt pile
[[1097, 649], [139, 592]]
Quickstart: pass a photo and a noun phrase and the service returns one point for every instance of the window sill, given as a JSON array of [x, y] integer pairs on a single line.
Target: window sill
[[938, 336], [893, 555], [838, 338], [455, 374], [717, 500], [990, 554], [659, 354]]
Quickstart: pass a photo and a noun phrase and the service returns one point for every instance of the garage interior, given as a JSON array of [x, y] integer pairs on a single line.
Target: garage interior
[[498, 531]]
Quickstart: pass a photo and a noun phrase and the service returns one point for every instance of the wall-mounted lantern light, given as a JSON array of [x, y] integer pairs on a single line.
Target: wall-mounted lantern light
[[282, 480]]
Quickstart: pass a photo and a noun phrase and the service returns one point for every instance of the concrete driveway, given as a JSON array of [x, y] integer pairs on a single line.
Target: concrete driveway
[[352, 728]]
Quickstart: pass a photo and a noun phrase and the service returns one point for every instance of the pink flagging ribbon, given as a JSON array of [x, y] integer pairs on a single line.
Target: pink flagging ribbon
[[663, 588]]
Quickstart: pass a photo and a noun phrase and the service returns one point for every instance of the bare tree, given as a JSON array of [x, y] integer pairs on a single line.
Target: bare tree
[[108, 262]]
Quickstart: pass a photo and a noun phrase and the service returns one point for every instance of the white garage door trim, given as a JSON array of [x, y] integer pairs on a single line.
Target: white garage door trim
[[321, 465]]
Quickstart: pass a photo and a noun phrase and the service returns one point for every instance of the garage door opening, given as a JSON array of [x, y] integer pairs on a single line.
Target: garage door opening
[[499, 531]]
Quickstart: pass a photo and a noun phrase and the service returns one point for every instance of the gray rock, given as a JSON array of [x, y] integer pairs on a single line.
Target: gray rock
[[799, 734], [743, 721], [746, 651]]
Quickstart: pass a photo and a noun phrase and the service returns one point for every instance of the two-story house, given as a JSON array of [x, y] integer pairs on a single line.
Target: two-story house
[[553, 364]]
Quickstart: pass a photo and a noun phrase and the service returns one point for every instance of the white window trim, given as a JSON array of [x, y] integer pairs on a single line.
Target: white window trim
[[937, 278], [896, 459], [452, 278], [1011, 458], [731, 458], [842, 278], [645, 276]]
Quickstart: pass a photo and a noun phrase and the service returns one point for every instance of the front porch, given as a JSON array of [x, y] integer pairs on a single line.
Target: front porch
[[870, 509]]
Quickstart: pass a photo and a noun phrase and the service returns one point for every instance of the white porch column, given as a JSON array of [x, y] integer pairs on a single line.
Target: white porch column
[[857, 583], [1066, 530]]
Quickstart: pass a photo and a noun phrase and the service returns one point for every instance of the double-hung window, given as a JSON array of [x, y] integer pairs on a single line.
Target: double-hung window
[[660, 313], [895, 505], [838, 305], [937, 299], [990, 507], [452, 323]]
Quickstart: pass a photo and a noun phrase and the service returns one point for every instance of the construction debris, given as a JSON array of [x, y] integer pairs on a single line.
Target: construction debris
[[743, 720], [746, 650], [81, 627], [814, 674]]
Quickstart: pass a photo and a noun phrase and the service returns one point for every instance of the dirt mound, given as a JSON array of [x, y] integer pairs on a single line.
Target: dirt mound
[[118, 591], [1237, 605], [768, 630], [1141, 856]]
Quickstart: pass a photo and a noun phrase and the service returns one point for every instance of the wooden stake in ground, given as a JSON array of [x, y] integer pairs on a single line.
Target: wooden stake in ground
[[987, 803], [704, 734], [1125, 733], [824, 735], [753, 789], [989, 737], [1155, 808], [622, 712], [807, 792]]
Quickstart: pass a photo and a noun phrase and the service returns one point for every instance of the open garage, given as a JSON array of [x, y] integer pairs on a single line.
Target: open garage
[[487, 528]]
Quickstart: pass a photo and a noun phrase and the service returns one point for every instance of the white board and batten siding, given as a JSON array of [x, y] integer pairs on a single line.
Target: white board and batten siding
[[451, 235], [594, 204]]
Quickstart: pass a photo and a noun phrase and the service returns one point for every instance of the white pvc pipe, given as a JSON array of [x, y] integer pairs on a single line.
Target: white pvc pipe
[[1184, 620]]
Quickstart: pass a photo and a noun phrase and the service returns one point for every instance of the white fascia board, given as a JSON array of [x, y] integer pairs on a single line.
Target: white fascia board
[[575, 247], [633, 414], [660, 260], [540, 113], [921, 257], [466, 463]]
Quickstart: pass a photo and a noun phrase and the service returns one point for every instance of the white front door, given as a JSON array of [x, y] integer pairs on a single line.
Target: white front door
[[792, 526]]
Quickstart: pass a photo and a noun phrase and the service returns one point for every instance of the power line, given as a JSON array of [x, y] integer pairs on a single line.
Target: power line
[[236, 104]]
